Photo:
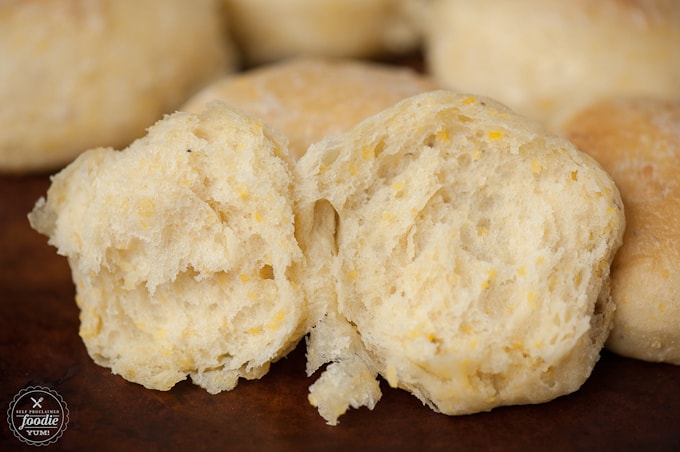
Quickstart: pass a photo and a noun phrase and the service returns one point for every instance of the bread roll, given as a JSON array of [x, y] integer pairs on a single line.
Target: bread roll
[[468, 255], [637, 141], [269, 30], [309, 98], [548, 59], [182, 250], [77, 74]]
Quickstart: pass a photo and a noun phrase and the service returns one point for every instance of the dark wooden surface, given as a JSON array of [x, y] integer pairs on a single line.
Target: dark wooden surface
[[625, 405]]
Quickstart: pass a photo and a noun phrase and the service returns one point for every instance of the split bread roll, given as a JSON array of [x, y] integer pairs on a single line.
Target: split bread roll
[[309, 98], [182, 250], [470, 251], [270, 30], [77, 74], [637, 141], [549, 59]]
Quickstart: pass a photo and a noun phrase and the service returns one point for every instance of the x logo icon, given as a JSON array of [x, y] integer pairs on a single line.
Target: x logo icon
[[36, 403]]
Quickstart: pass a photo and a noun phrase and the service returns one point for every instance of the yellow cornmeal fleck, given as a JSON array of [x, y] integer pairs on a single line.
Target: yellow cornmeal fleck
[[398, 186], [352, 274], [443, 135], [387, 216], [578, 278], [531, 299], [495, 134], [258, 217], [414, 333], [243, 194], [574, 175], [476, 154], [222, 278], [492, 274], [601, 266], [536, 166], [244, 277], [145, 208], [255, 330], [187, 363], [540, 260], [278, 153], [367, 153], [522, 270], [469, 100], [276, 321], [353, 170]]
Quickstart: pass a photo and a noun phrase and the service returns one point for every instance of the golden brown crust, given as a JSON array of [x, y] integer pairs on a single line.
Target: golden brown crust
[[637, 141], [551, 59], [78, 74], [311, 98], [271, 30]]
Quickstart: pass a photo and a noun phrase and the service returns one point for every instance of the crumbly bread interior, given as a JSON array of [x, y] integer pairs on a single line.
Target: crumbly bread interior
[[309, 98], [468, 252], [637, 140], [182, 250]]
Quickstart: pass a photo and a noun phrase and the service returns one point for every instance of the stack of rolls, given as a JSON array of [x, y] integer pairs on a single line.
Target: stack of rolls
[[474, 231]]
